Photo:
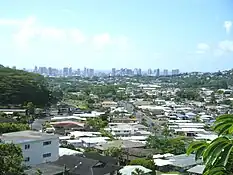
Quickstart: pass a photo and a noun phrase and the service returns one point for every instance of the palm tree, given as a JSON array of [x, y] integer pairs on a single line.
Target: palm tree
[[215, 154], [138, 171]]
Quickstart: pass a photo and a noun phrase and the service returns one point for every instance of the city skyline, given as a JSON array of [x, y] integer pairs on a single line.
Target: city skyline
[[90, 72], [187, 35]]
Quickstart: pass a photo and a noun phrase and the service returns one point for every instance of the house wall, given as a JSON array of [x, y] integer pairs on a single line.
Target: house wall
[[34, 154]]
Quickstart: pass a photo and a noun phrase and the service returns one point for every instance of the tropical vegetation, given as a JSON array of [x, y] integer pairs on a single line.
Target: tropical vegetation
[[217, 155], [18, 87], [11, 159], [167, 145]]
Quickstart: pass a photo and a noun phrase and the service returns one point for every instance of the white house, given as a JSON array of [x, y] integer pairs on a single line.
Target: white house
[[37, 147], [109, 104], [131, 169], [93, 141], [119, 130], [93, 114]]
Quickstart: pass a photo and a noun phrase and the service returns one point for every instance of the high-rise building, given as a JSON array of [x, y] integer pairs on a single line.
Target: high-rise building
[[91, 73], [78, 72], [113, 72], [175, 71], [139, 72], [129, 72], [85, 71], [43, 70], [65, 71], [149, 72], [35, 69], [70, 72], [50, 71], [165, 72], [157, 72]]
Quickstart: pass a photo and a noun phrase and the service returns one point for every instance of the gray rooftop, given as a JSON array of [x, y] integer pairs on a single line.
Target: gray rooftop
[[25, 136], [46, 169], [197, 169], [185, 161]]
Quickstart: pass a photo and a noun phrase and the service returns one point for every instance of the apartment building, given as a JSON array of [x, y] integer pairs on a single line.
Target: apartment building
[[37, 147]]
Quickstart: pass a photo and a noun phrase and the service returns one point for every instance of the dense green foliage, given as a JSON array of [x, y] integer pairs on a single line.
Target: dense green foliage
[[217, 155], [167, 145], [213, 81], [96, 123], [189, 94], [19, 87], [13, 127], [147, 163], [10, 160]]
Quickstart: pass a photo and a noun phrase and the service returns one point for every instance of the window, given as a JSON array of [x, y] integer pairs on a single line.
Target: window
[[27, 146], [46, 155], [27, 159], [47, 143]]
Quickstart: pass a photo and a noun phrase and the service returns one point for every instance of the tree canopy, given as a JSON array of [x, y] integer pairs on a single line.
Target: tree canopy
[[147, 163], [96, 123], [18, 87], [167, 145], [12, 127], [10, 159]]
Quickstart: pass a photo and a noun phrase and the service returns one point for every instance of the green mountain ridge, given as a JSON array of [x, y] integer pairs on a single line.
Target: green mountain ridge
[[18, 87]]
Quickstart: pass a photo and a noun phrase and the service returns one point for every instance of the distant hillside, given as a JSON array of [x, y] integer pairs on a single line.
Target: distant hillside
[[19, 87]]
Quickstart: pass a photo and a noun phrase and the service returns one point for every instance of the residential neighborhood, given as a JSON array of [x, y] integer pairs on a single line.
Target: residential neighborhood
[[117, 125]]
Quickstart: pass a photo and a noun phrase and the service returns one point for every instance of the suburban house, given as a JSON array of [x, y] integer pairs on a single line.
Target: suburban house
[[181, 163], [83, 165], [37, 147], [109, 104], [12, 111], [130, 169], [119, 130], [83, 139]]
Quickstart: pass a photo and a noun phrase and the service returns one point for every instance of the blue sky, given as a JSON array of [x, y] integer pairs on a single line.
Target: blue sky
[[192, 35]]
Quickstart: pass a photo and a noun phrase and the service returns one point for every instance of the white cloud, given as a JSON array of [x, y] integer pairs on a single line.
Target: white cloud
[[30, 28], [202, 48], [227, 26], [223, 48], [102, 40], [226, 46]]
